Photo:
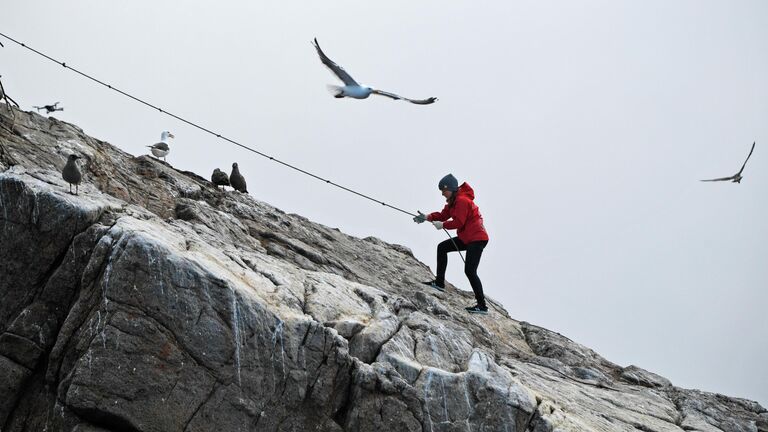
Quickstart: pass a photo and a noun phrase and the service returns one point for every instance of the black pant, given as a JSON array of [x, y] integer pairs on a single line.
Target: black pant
[[474, 252]]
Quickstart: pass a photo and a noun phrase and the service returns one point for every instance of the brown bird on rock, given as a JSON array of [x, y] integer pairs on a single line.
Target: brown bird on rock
[[237, 180], [71, 173], [219, 178]]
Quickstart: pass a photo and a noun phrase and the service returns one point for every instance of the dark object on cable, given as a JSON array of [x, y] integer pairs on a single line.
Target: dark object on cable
[[49, 108], [237, 180], [71, 173], [736, 178], [219, 178]]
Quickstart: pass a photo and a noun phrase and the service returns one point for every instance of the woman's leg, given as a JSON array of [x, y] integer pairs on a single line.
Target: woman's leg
[[474, 252], [442, 257]]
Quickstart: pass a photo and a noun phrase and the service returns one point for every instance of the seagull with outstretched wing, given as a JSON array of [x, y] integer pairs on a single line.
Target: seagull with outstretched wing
[[354, 90], [736, 178]]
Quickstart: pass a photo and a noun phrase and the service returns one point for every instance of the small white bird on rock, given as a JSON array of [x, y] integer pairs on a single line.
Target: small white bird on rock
[[161, 149]]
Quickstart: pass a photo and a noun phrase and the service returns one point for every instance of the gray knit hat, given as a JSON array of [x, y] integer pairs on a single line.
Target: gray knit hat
[[448, 182]]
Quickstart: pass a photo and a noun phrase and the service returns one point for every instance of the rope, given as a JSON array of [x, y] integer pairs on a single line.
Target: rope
[[204, 129], [218, 135]]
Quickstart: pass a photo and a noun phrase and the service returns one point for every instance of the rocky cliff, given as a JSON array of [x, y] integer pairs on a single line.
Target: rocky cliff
[[154, 302]]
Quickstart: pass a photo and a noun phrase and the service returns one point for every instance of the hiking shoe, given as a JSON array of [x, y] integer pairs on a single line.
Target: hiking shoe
[[433, 284], [476, 309]]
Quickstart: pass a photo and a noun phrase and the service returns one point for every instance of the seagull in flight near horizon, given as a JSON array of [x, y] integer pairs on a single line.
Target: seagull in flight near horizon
[[736, 178], [354, 90]]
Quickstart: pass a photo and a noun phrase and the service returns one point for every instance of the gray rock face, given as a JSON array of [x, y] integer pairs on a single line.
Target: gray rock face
[[155, 302]]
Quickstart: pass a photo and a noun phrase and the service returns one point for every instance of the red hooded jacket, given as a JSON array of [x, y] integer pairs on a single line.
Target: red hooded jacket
[[465, 216]]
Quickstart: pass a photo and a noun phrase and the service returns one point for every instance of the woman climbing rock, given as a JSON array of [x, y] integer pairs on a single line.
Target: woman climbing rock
[[460, 213]]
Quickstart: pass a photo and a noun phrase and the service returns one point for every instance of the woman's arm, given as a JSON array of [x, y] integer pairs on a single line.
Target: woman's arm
[[461, 210], [441, 216]]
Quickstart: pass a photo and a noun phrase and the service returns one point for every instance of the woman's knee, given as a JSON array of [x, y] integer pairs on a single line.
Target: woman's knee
[[443, 248]]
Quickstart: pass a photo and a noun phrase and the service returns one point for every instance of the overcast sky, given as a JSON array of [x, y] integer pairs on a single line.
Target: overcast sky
[[583, 127]]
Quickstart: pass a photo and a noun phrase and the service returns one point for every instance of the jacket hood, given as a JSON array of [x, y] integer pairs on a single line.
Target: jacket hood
[[467, 191]]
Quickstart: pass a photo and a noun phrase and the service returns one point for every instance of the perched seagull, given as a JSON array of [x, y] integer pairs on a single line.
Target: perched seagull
[[354, 90], [161, 149], [237, 180], [736, 178], [71, 173], [219, 178], [49, 108]]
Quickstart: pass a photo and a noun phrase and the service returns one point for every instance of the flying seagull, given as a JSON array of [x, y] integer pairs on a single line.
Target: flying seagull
[[736, 178], [354, 90], [161, 149], [49, 108]]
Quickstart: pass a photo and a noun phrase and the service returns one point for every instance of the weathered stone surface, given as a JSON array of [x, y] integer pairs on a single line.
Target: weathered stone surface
[[155, 302], [636, 375], [12, 377]]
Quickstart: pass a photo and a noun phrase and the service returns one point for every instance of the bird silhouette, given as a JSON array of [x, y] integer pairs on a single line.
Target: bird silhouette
[[219, 178], [736, 178], [237, 180]]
